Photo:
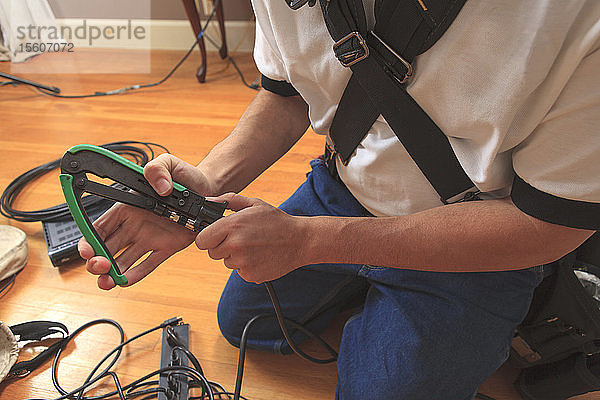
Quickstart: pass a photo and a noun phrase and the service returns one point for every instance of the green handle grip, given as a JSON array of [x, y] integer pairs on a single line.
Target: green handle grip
[[84, 224]]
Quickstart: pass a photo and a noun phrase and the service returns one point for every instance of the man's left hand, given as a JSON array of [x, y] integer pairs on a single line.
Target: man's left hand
[[260, 241]]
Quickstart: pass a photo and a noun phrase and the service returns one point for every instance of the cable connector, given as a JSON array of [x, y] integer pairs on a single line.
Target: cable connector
[[119, 91], [171, 322]]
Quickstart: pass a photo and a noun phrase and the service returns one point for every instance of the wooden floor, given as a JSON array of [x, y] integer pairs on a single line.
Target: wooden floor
[[188, 118]]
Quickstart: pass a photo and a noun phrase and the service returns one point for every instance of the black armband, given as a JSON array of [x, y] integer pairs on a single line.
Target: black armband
[[281, 88], [553, 209]]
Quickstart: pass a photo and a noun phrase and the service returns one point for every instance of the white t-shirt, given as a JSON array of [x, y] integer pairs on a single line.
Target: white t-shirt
[[515, 85]]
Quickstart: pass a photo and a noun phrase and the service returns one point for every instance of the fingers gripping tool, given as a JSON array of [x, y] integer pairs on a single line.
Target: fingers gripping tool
[[182, 206]]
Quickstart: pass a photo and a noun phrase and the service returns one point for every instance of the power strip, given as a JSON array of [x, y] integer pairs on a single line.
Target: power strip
[[175, 385]]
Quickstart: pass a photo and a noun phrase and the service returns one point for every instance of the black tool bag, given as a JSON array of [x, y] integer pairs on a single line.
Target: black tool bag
[[558, 343]]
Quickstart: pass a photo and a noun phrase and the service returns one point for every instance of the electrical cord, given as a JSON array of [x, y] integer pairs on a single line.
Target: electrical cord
[[9, 282], [147, 85], [12, 83], [141, 152], [282, 321], [254, 85], [142, 386], [124, 392], [291, 342]]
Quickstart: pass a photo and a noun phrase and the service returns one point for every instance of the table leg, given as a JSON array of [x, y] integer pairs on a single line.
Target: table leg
[[194, 17]]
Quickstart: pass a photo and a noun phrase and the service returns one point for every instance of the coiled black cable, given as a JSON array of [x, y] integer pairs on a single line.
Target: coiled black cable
[[140, 152]]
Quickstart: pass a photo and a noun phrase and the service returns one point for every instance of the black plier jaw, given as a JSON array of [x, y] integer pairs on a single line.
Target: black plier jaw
[[182, 206]]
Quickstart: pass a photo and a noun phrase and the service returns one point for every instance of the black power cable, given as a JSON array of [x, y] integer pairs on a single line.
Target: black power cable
[[9, 281], [150, 388], [123, 392], [254, 85], [283, 322], [142, 386]]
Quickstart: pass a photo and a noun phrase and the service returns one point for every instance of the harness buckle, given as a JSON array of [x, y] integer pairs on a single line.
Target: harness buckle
[[329, 156], [355, 51], [407, 65], [468, 195]]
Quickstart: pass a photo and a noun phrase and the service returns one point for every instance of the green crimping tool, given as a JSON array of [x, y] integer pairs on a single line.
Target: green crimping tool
[[182, 206]]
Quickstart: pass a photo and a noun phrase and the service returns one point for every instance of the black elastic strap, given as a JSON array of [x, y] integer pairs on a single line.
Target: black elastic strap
[[554, 209], [408, 28], [36, 331], [281, 88], [424, 141]]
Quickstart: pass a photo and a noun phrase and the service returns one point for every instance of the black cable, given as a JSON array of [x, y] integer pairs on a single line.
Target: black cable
[[120, 391], [132, 393], [9, 282], [87, 382], [20, 80], [206, 388], [12, 83], [117, 384], [291, 342], [254, 85], [282, 324], [483, 397], [12, 191]]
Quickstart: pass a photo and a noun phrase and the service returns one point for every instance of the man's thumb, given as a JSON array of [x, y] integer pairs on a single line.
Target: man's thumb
[[161, 171]]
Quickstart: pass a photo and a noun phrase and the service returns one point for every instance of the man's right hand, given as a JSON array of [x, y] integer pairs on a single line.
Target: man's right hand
[[137, 232]]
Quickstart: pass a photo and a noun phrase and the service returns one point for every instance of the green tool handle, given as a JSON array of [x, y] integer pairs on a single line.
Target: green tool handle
[[85, 226]]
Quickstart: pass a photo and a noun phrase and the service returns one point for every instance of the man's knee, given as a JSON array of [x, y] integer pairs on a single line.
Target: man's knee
[[228, 319], [240, 302]]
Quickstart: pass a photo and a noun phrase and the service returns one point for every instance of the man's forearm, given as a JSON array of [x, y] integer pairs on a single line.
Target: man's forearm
[[474, 236], [266, 131]]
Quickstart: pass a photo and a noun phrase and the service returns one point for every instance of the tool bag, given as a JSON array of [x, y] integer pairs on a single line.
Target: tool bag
[[562, 328], [558, 342]]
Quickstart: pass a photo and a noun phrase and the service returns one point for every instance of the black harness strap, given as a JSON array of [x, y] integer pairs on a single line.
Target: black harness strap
[[37, 331], [381, 64]]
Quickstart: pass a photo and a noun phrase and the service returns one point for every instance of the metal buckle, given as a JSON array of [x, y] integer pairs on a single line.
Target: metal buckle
[[468, 195], [21, 373], [330, 152], [296, 4], [524, 350], [330, 161], [349, 59], [409, 68]]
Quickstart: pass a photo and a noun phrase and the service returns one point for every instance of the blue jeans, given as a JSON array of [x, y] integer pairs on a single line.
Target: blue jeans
[[418, 335]]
